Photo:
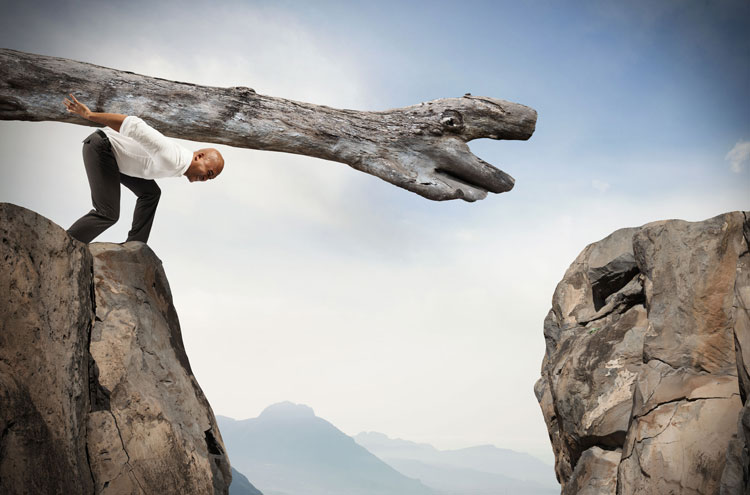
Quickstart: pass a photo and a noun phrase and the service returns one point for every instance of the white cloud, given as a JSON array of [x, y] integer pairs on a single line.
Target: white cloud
[[738, 156]]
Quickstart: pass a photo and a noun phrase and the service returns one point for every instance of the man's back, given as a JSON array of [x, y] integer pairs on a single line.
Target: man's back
[[142, 151]]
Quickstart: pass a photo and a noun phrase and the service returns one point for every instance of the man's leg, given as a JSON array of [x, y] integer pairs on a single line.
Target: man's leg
[[145, 208], [104, 182]]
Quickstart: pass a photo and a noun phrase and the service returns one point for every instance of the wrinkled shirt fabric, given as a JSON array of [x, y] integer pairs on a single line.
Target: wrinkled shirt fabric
[[142, 151]]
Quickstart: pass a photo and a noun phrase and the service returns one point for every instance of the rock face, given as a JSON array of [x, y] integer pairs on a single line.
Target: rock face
[[110, 407], [645, 379], [45, 315]]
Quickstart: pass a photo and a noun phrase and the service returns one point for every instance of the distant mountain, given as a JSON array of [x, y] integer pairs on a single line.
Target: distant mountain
[[287, 450], [241, 485], [482, 470]]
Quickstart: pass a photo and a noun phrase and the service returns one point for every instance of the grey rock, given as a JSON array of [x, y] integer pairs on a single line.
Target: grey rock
[[736, 477], [647, 353], [692, 266], [156, 413], [573, 301], [682, 423], [595, 473], [608, 279], [736, 472], [45, 315], [107, 406]]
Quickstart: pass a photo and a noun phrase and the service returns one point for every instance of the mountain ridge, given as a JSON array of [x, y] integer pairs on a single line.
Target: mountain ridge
[[286, 450], [481, 469], [288, 441]]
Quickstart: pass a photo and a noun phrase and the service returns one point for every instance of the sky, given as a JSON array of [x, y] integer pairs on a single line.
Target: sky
[[304, 280]]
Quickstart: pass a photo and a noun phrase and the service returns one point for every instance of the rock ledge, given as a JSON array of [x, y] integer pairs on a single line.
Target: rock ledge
[[96, 390]]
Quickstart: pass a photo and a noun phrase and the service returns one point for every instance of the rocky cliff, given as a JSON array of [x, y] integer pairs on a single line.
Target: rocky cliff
[[646, 375], [96, 390]]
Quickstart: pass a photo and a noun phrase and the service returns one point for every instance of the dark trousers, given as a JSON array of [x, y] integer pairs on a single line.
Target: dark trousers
[[104, 180]]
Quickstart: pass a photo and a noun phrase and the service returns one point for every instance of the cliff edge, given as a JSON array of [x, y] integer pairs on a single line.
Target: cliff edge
[[96, 390], [646, 374]]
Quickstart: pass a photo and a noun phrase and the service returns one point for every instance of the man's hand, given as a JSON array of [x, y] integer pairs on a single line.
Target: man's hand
[[113, 120], [77, 107]]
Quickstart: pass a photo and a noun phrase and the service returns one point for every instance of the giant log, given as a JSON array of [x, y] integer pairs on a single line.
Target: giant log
[[421, 148]]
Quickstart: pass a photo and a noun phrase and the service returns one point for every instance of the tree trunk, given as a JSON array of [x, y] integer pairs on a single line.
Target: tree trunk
[[421, 148]]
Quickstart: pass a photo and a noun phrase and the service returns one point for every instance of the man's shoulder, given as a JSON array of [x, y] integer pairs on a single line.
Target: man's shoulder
[[130, 123]]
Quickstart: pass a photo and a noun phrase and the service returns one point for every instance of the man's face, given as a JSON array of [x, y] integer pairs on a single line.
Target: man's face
[[205, 166]]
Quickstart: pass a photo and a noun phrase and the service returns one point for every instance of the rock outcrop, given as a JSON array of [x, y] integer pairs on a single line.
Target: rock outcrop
[[96, 391], [646, 375]]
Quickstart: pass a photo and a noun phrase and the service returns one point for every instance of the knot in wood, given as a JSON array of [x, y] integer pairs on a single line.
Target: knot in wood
[[244, 90], [451, 120]]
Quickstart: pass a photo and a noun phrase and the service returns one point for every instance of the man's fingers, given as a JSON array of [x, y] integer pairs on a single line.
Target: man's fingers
[[69, 105], [74, 106]]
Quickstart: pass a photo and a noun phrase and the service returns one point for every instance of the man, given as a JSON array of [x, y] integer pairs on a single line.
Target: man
[[132, 153]]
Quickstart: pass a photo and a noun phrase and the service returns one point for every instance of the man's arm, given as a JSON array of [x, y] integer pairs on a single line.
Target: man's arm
[[113, 120]]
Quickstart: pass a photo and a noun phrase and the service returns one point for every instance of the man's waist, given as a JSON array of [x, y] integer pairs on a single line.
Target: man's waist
[[105, 139], [99, 136]]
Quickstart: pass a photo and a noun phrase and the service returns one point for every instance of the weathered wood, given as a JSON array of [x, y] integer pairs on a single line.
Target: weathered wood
[[421, 148]]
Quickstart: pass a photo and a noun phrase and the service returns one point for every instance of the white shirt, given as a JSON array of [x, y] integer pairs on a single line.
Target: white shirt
[[142, 151]]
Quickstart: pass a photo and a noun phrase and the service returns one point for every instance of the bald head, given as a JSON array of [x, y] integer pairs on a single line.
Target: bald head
[[207, 163], [215, 159]]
